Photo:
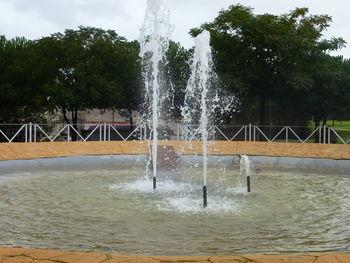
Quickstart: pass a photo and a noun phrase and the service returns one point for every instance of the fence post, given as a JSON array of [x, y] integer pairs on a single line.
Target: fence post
[[329, 135], [245, 133], [319, 134], [324, 134], [68, 133], [26, 133], [100, 128], [254, 127], [250, 132], [140, 131], [178, 132], [109, 132], [35, 132], [104, 132], [182, 133], [30, 132], [287, 128]]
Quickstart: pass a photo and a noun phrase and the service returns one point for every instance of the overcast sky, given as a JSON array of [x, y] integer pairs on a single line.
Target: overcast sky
[[36, 18]]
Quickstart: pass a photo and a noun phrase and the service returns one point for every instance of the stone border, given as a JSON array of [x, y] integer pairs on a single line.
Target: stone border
[[22, 255], [14, 151], [112, 162]]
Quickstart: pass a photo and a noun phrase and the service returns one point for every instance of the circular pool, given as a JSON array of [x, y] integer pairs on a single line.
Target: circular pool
[[116, 211]]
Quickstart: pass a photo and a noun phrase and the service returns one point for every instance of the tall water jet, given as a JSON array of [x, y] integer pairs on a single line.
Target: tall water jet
[[154, 43], [196, 99]]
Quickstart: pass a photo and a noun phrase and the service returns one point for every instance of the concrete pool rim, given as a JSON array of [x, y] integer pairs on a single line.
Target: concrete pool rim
[[111, 162], [25, 255], [12, 151]]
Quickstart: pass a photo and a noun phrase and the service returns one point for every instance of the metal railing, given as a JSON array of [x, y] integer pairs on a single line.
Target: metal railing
[[32, 132], [253, 133]]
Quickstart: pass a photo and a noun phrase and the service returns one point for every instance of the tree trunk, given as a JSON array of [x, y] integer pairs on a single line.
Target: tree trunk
[[316, 135], [317, 123], [74, 122], [64, 111], [131, 121], [262, 110]]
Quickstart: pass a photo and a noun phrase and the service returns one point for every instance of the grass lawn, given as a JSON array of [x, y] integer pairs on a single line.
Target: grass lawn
[[339, 124], [342, 128]]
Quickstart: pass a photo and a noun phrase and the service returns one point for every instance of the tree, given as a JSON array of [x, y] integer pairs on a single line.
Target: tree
[[90, 68], [264, 56], [340, 105], [20, 81], [178, 72], [321, 97], [129, 76]]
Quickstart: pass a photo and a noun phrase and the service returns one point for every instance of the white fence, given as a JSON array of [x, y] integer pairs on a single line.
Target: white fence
[[109, 132], [67, 132], [299, 134]]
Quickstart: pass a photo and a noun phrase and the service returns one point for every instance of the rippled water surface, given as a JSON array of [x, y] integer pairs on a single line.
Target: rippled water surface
[[118, 212]]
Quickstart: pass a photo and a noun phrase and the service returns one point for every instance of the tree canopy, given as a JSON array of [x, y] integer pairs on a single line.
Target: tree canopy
[[21, 94], [269, 56], [277, 61], [90, 68]]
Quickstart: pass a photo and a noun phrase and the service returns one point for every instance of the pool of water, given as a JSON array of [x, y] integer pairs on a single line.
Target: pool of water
[[118, 212]]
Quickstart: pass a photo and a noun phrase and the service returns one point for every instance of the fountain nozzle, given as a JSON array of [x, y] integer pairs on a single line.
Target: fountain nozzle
[[205, 201], [248, 184], [154, 183]]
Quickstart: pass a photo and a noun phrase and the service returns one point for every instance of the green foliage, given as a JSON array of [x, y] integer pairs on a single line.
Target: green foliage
[[270, 57], [90, 68], [20, 81], [277, 62], [178, 72]]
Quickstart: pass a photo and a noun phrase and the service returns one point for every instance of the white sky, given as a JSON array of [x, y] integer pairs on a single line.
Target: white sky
[[36, 18]]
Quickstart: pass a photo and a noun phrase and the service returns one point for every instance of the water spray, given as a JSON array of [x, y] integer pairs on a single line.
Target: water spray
[[154, 43], [196, 98], [246, 169]]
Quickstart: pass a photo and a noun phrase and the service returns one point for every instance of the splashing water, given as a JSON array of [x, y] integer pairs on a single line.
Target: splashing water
[[182, 196], [195, 104], [154, 43], [245, 169], [165, 187], [245, 166]]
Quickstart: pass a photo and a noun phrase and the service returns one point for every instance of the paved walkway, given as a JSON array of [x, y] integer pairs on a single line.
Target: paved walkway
[[21, 255], [9, 151]]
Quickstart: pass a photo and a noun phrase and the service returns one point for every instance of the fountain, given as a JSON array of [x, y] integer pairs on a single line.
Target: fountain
[[154, 42], [196, 106], [108, 205]]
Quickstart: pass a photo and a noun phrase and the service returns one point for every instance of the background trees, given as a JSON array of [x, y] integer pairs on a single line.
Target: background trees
[[21, 96], [90, 68], [178, 72], [268, 57], [269, 62]]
